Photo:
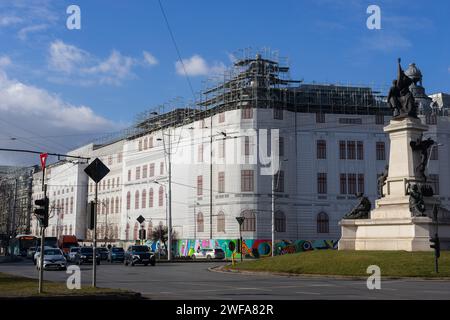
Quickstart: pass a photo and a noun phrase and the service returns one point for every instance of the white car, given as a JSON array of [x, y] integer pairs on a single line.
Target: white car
[[53, 259], [38, 249], [71, 255], [209, 254]]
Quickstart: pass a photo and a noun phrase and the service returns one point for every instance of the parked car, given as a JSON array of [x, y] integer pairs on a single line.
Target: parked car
[[116, 254], [38, 249], [139, 255], [86, 255], [73, 251], [53, 259], [102, 252], [209, 254], [30, 252]]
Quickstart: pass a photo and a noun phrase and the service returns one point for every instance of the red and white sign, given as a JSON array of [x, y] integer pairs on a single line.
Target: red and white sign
[[43, 157]]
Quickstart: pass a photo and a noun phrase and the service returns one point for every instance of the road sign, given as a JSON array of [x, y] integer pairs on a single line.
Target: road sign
[[140, 219], [240, 220], [43, 157], [97, 170]]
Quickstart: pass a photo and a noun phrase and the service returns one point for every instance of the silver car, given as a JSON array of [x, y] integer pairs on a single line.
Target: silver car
[[71, 255], [209, 254], [53, 259]]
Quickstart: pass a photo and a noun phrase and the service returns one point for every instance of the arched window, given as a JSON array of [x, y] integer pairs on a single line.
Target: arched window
[[127, 232], [107, 206], [221, 222], [144, 199], [136, 231], [70, 230], [116, 233], [200, 222], [161, 196], [140, 145], [65, 229], [145, 143], [323, 223], [136, 200], [280, 221], [250, 220], [150, 198], [117, 205]]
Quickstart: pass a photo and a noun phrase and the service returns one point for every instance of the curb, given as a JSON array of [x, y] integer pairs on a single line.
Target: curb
[[106, 296], [221, 269]]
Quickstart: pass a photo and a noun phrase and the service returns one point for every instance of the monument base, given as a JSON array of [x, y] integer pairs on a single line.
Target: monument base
[[407, 234]]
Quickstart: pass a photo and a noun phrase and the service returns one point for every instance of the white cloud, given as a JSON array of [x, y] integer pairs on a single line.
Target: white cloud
[[149, 58], [386, 42], [5, 61], [197, 66], [80, 67], [6, 21], [65, 57], [23, 33], [38, 111]]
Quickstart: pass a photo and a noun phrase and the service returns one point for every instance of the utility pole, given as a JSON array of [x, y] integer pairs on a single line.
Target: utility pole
[[94, 240], [273, 215], [211, 178], [168, 152]]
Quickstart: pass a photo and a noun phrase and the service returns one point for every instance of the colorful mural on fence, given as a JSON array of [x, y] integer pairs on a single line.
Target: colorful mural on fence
[[254, 248]]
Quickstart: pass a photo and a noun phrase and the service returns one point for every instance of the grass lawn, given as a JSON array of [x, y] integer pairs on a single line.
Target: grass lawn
[[15, 286], [352, 263]]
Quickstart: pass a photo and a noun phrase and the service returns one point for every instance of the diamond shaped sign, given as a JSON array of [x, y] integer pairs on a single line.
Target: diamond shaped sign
[[97, 170], [140, 219]]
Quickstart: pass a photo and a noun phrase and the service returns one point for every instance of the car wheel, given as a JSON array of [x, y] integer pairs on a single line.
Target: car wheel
[[152, 263], [193, 257], [208, 258]]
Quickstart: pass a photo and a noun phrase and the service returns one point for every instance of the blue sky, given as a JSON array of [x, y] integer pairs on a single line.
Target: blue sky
[[123, 61]]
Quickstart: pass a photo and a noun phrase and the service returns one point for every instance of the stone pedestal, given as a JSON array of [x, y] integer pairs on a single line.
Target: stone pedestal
[[392, 226]]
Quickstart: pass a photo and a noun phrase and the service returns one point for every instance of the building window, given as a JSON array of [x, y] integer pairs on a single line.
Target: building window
[[434, 179], [248, 149], [279, 181], [152, 170], [150, 142], [380, 151], [322, 183], [379, 118], [161, 168], [352, 183], [434, 153], [129, 175], [140, 145], [361, 183], [200, 153], [321, 149], [136, 200], [149, 230], [222, 146], [278, 113], [342, 150], [222, 117], [117, 205], [144, 199], [144, 171], [360, 150], [247, 113], [249, 221], [280, 222], [431, 119], [145, 143], [343, 183], [110, 160], [138, 173], [71, 205], [221, 222], [136, 231], [247, 180], [119, 157], [161, 196], [150, 198], [199, 185], [323, 223], [200, 222], [221, 182], [128, 200], [281, 146], [320, 117], [351, 150]]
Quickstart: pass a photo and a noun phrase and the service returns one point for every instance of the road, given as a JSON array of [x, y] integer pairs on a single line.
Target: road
[[195, 281]]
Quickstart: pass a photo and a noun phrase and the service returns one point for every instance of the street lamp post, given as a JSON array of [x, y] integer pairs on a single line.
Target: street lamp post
[[274, 188]]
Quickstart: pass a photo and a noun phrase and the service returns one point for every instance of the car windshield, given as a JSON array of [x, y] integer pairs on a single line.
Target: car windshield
[[52, 252], [140, 248], [117, 250], [86, 250], [102, 250]]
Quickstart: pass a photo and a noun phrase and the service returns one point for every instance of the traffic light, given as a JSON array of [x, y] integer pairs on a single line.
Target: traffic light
[[42, 212], [91, 215], [142, 234], [436, 245]]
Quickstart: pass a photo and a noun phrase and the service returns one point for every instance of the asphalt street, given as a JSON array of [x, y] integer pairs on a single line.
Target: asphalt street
[[195, 281]]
